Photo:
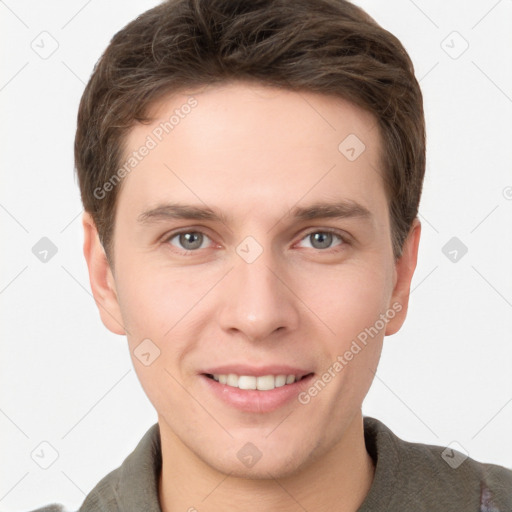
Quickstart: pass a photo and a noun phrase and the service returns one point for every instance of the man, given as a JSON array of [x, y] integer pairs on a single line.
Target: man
[[251, 174]]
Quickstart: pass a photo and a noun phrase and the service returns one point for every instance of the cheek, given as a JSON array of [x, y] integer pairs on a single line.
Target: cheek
[[347, 299], [153, 301], [157, 308]]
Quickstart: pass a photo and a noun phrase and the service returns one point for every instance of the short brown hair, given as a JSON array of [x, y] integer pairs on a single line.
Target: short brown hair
[[325, 46]]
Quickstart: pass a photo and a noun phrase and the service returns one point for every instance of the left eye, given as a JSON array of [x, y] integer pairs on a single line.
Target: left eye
[[322, 239]]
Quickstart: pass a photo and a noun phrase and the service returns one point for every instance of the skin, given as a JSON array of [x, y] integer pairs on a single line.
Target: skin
[[255, 152]]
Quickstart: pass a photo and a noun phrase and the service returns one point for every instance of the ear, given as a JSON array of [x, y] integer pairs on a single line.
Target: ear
[[404, 270], [101, 278]]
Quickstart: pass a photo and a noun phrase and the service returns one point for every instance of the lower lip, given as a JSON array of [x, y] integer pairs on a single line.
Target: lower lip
[[253, 400]]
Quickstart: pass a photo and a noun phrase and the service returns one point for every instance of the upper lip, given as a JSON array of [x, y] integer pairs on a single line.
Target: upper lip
[[260, 371]]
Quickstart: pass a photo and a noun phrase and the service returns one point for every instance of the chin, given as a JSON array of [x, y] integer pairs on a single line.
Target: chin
[[270, 460], [262, 470]]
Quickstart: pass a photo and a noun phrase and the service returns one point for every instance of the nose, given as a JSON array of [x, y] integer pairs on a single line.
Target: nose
[[257, 299]]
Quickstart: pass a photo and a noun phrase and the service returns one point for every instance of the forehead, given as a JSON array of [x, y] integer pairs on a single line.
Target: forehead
[[252, 148]]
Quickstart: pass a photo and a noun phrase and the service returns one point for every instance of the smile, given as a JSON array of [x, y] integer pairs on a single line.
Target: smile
[[261, 383]]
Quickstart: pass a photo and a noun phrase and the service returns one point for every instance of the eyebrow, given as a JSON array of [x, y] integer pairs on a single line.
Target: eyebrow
[[342, 209]]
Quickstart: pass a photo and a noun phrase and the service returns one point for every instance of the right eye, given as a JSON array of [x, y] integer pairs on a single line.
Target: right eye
[[187, 240]]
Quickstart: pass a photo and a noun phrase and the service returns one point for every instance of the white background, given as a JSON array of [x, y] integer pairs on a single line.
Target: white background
[[447, 375]]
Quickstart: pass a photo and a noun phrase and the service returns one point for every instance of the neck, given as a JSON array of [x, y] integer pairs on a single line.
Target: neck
[[337, 480]]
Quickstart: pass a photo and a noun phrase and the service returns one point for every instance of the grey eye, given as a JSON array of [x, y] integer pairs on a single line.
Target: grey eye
[[322, 239], [190, 240]]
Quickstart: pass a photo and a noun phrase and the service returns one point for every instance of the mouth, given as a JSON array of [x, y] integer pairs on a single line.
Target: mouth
[[260, 382], [256, 390]]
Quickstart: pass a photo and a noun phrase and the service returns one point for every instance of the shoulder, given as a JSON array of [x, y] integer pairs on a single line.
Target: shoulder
[[435, 476], [451, 472], [131, 486]]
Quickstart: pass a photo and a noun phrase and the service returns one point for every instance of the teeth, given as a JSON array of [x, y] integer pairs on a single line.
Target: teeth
[[280, 380], [263, 383]]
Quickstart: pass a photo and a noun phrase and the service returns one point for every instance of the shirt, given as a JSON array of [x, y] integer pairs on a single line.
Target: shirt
[[408, 477]]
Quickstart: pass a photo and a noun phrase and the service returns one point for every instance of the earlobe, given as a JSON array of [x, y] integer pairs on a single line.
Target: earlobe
[[101, 278], [404, 269]]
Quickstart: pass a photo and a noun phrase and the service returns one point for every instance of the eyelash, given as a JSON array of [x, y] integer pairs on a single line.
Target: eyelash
[[344, 239]]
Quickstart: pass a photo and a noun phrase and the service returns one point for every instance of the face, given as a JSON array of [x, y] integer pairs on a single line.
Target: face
[[252, 248]]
